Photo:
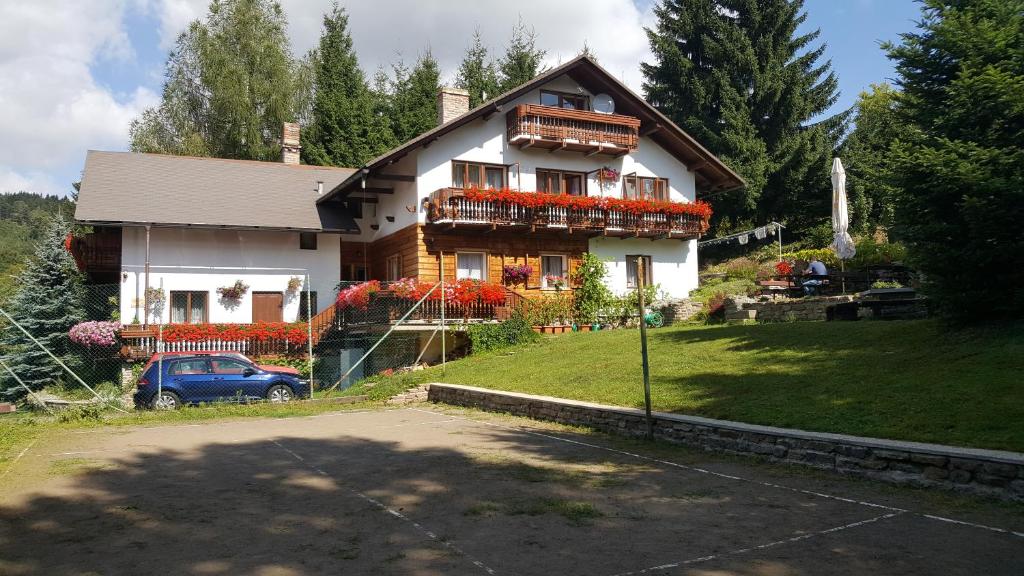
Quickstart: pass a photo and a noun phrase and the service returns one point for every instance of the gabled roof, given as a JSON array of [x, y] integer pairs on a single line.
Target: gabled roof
[[125, 188], [711, 173]]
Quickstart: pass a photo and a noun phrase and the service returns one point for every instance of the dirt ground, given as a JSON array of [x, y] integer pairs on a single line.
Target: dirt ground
[[427, 490]]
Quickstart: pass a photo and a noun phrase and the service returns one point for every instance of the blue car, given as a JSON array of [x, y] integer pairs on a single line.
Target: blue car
[[195, 379]]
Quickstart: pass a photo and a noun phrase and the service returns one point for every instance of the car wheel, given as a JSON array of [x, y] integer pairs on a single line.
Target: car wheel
[[166, 400], [279, 393]]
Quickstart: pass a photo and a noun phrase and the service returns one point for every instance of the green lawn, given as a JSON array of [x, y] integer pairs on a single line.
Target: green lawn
[[909, 380]]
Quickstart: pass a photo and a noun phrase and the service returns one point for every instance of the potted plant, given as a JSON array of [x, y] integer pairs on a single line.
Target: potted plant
[[513, 274], [294, 284], [233, 293], [555, 281]]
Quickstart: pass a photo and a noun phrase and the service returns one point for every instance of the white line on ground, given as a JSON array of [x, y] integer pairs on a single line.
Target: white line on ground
[[17, 458], [973, 525], [737, 478], [759, 546], [383, 507]]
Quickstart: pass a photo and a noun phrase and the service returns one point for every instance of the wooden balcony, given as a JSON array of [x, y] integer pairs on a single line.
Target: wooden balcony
[[449, 207], [97, 252], [550, 128]]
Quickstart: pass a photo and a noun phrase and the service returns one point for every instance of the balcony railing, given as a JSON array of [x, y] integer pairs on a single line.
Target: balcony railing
[[451, 206], [141, 343], [97, 251], [551, 128]]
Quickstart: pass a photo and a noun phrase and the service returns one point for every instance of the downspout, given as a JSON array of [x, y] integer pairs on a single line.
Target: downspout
[[145, 290]]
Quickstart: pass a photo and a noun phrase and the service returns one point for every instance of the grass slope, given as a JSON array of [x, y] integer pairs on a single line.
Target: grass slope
[[908, 380]]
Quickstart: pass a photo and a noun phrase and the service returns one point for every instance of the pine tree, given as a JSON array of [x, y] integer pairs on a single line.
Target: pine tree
[[477, 73], [414, 97], [344, 129], [735, 75], [960, 171], [522, 60], [47, 304], [230, 85]]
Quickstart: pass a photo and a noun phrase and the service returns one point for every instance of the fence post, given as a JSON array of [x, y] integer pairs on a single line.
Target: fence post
[[444, 333], [309, 333]]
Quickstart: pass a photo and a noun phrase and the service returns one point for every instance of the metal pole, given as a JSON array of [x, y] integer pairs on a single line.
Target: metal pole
[[145, 291], [779, 228], [444, 334], [309, 333], [640, 276], [55, 359], [30, 392], [159, 364]]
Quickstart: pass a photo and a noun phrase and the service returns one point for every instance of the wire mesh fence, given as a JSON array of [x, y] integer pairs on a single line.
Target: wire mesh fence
[[83, 353]]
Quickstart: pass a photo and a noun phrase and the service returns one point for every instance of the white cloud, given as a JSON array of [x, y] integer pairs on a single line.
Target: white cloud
[[51, 107], [384, 29]]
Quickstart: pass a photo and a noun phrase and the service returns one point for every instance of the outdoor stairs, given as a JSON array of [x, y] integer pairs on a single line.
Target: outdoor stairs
[[411, 396]]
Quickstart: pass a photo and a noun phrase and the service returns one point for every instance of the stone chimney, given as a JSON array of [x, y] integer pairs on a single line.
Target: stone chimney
[[290, 143], [451, 103]]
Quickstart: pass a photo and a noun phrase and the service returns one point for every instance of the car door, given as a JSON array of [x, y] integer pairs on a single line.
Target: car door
[[233, 377], [190, 378]]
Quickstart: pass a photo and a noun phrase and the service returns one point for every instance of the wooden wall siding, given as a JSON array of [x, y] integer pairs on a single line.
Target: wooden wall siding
[[501, 249], [407, 242]]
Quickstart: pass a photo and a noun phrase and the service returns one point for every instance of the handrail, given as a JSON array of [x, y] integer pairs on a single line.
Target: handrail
[[451, 204], [582, 126]]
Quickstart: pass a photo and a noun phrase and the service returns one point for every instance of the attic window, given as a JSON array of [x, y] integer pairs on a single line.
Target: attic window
[[564, 100], [307, 240]]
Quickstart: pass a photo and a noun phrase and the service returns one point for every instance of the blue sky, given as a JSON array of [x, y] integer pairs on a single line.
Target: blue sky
[[76, 87]]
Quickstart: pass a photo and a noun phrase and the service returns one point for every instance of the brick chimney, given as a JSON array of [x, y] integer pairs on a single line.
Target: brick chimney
[[451, 103], [290, 143]]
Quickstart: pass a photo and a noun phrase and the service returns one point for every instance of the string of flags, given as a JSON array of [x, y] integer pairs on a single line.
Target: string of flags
[[760, 233]]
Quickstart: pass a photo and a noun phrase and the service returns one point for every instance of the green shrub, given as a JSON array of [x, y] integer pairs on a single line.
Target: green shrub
[[592, 295], [880, 284], [487, 337], [299, 363]]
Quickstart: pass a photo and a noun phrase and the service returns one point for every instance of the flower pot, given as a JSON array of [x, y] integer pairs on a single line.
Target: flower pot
[[538, 329], [584, 328]]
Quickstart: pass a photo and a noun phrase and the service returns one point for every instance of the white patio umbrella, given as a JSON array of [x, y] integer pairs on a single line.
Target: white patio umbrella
[[842, 243]]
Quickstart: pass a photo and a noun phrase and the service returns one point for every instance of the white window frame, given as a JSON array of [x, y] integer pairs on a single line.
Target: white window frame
[[483, 264], [565, 270], [396, 260]]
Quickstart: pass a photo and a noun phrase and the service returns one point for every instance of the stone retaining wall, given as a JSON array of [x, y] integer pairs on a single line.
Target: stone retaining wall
[[980, 472], [812, 308]]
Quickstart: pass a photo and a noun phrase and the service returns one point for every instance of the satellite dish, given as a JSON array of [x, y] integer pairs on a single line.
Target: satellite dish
[[604, 104]]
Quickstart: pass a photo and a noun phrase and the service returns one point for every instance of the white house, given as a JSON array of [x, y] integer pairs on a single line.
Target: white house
[[416, 211]]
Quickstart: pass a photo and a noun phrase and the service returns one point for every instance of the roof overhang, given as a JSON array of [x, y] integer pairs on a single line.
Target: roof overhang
[[710, 173]]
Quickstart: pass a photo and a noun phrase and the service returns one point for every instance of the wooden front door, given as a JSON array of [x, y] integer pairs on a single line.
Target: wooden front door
[[267, 307]]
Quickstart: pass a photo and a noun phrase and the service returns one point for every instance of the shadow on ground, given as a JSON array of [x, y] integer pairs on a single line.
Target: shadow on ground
[[267, 498]]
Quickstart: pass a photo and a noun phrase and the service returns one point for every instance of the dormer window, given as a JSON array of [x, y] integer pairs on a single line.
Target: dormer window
[[564, 100]]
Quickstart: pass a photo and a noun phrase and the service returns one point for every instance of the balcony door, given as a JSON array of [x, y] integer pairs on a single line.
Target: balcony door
[[267, 307]]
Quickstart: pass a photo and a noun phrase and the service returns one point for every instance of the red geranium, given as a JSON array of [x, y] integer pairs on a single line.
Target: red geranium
[[784, 268], [635, 206], [292, 333], [358, 296]]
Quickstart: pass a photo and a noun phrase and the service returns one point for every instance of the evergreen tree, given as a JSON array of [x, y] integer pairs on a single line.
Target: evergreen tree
[[868, 161], [230, 85], [344, 128], [477, 73], [960, 172], [414, 97], [47, 304], [737, 76], [522, 60]]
